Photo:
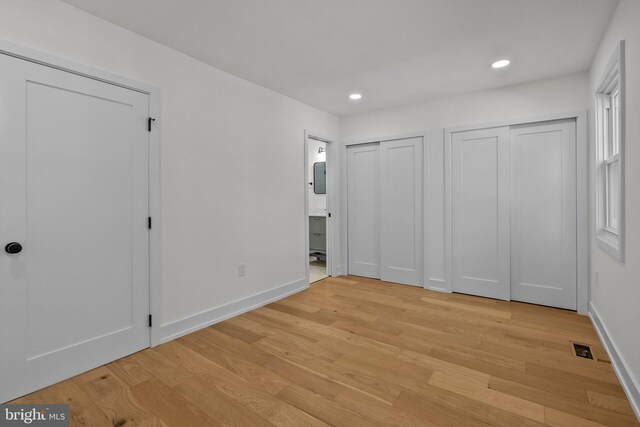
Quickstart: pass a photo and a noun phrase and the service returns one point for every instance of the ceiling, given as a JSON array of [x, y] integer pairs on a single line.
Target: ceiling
[[392, 51]]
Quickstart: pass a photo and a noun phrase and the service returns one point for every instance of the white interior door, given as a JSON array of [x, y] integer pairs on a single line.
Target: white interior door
[[543, 208], [401, 211], [74, 192], [480, 212], [363, 206]]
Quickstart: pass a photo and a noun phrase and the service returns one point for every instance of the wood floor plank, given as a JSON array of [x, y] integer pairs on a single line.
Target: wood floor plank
[[308, 379], [390, 370], [561, 419], [114, 397], [353, 351], [83, 411], [391, 337], [237, 332], [298, 305], [542, 359], [611, 403], [488, 362], [476, 309], [168, 370], [509, 369], [341, 309], [252, 396], [439, 337], [366, 383], [435, 364], [129, 370], [621, 416], [170, 406], [247, 370], [318, 316], [385, 415], [218, 405], [322, 408], [276, 333], [446, 408], [322, 331], [568, 376], [478, 391]]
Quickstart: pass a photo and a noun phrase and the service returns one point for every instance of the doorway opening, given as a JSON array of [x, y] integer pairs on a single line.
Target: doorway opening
[[318, 214]]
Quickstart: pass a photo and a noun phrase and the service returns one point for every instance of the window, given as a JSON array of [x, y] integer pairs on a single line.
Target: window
[[610, 157]]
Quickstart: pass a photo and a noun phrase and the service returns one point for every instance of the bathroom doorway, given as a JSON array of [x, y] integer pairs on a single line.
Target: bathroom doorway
[[318, 213]]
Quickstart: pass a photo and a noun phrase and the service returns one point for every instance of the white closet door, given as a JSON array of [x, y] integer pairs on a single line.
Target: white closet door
[[74, 191], [363, 205], [401, 211], [543, 203], [480, 212]]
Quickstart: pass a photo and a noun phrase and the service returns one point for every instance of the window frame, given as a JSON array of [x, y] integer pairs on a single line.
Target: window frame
[[610, 133]]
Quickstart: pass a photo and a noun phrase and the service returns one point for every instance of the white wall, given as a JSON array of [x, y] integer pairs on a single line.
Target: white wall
[[557, 95], [232, 158], [317, 202], [616, 294]]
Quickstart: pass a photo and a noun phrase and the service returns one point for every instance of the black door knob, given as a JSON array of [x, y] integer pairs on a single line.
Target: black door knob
[[13, 248]]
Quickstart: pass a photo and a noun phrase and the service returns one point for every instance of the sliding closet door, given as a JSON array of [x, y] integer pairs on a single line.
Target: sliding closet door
[[543, 203], [401, 211], [480, 212], [363, 206]]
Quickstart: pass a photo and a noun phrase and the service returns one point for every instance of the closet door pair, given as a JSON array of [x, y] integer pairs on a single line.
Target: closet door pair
[[513, 213], [384, 204]]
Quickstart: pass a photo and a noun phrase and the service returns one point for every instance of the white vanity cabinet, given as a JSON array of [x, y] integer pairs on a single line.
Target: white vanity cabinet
[[318, 236]]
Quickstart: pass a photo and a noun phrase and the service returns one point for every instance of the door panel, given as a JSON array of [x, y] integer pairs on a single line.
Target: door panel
[[363, 206], [480, 212], [74, 164], [543, 203], [401, 211]]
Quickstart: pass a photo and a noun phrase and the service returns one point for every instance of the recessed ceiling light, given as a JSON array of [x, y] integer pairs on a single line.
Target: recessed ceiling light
[[355, 96], [501, 63]]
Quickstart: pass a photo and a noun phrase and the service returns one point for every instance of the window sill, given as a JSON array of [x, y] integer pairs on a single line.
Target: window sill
[[610, 243]]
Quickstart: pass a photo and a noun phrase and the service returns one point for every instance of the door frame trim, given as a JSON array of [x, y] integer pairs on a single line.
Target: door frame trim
[[582, 195], [332, 260], [155, 273]]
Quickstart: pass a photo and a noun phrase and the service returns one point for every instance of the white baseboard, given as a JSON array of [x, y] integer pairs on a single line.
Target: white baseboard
[[209, 317], [629, 383]]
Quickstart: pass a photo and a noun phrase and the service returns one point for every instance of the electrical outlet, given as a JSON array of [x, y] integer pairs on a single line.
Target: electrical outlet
[[242, 269]]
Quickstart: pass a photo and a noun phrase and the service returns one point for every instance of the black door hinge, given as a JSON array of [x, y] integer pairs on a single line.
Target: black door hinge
[[150, 320], [329, 214], [150, 121], [149, 223]]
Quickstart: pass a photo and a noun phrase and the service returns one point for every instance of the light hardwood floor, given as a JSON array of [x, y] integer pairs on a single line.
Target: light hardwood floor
[[352, 351]]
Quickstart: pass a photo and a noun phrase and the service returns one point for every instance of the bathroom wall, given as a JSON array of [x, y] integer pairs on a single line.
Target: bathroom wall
[[317, 202]]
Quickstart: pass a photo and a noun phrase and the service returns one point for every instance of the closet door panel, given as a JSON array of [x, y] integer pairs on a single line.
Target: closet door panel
[[363, 210], [543, 208], [480, 212], [401, 211]]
